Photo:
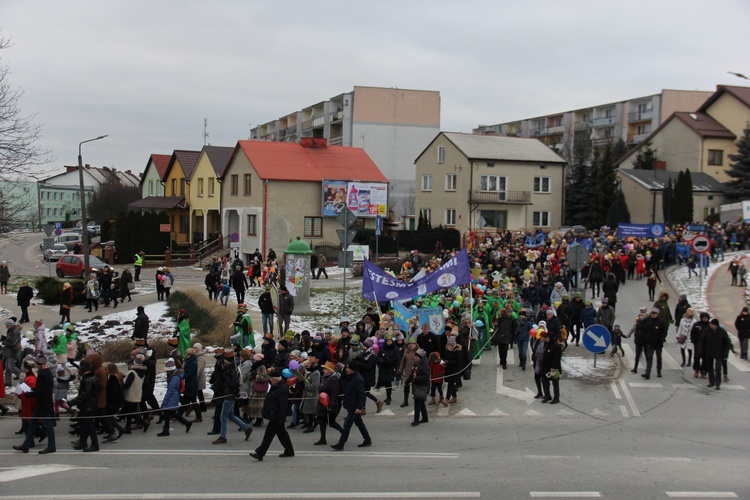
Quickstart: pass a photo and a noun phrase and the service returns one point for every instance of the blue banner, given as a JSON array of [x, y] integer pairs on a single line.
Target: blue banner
[[640, 230], [378, 285], [430, 315]]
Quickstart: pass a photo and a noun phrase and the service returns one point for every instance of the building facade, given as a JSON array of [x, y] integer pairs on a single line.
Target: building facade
[[176, 187], [152, 180], [392, 125], [205, 206], [470, 181], [631, 120]]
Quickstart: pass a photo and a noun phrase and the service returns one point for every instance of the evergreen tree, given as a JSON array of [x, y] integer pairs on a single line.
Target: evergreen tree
[[618, 211], [667, 201], [579, 188], [738, 189], [645, 158], [688, 201], [605, 181], [682, 204]]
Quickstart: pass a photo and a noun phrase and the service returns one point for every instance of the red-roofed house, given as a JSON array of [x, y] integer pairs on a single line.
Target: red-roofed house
[[153, 176], [273, 192]]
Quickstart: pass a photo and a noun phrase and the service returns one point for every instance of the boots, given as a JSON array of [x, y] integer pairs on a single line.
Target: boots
[[696, 374], [682, 352], [432, 401], [406, 402], [443, 401], [690, 358], [388, 396]]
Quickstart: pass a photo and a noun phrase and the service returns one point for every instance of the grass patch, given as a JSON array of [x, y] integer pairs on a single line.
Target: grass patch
[[209, 320], [118, 351]]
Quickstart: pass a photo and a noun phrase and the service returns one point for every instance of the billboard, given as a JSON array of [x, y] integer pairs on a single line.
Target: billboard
[[365, 199]]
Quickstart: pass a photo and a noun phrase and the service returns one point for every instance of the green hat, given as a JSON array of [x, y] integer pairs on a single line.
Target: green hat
[[388, 336], [578, 295], [354, 339], [289, 334], [412, 340]]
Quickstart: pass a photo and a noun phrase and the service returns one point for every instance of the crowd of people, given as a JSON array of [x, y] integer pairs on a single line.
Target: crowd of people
[[519, 297]]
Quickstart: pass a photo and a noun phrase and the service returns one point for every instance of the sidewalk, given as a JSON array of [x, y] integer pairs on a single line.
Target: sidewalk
[[724, 301]]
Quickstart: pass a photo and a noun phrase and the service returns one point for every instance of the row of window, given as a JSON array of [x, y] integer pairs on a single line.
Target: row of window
[[313, 226], [489, 183], [538, 219], [54, 195]]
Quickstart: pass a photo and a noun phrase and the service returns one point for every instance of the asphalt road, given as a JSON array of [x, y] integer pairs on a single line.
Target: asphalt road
[[614, 435]]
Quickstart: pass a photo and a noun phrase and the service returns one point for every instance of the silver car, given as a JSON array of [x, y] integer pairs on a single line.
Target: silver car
[[55, 252]]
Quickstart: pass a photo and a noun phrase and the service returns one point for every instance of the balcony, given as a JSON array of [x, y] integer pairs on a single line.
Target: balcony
[[336, 116], [640, 116], [500, 197], [582, 125], [604, 121], [602, 141], [318, 122], [538, 132], [637, 138], [556, 129]]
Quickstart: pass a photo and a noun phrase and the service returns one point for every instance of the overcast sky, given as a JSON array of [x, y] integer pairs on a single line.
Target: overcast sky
[[148, 72]]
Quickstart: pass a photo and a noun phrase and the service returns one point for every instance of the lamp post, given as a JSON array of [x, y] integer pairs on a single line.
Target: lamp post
[[84, 232]]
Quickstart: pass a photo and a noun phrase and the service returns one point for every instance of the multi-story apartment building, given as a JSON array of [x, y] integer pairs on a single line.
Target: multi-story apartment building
[[632, 121], [392, 125]]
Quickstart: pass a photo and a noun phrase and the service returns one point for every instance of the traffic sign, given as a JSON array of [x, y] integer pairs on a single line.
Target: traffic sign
[[578, 257], [697, 228], [346, 259], [234, 237], [58, 231], [58, 225], [701, 244], [596, 338], [48, 229], [378, 225], [345, 237], [346, 218]]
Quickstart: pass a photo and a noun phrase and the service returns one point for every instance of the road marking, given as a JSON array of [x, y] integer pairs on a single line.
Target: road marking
[[525, 395], [599, 413], [443, 411], [732, 387], [683, 385], [531, 413], [662, 459], [498, 413], [629, 397], [386, 413], [669, 362], [650, 385], [466, 413], [614, 389], [410, 455], [701, 494], [305, 495], [565, 413], [624, 411], [565, 494], [741, 365], [16, 473], [552, 457], [630, 354]]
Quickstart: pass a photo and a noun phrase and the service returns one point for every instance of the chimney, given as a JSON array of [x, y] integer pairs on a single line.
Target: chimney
[[87, 166], [70, 168], [306, 142], [320, 142]]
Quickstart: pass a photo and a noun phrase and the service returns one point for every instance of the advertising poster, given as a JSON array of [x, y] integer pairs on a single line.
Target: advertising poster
[[365, 199]]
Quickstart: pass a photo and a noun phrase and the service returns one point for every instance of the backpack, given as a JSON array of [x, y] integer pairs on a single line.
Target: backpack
[[564, 333]]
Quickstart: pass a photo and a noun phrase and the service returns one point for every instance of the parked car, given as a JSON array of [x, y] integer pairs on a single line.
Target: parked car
[[55, 252], [67, 239], [94, 228], [72, 265]]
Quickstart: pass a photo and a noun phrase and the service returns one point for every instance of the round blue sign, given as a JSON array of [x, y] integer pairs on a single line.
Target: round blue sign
[[235, 237], [58, 232], [596, 338]]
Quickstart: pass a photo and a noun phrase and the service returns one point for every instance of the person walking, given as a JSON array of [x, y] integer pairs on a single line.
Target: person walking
[[267, 310], [354, 404], [655, 331], [66, 302], [700, 329], [502, 336], [4, 276], [715, 346], [229, 388], [43, 410], [605, 316], [408, 358], [140, 326], [328, 401], [132, 393], [87, 402], [275, 408], [420, 382], [23, 298], [285, 309], [240, 284], [551, 367], [171, 402], [93, 290], [126, 284], [11, 351], [734, 267], [664, 313], [682, 337], [742, 325], [322, 265], [651, 279]]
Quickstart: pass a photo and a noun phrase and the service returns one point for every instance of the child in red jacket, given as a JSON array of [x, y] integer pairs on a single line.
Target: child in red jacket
[[437, 371]]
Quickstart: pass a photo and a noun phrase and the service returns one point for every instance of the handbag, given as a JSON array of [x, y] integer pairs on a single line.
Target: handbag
[[131, 285], [260, 386], [681, 338], [420, 391]]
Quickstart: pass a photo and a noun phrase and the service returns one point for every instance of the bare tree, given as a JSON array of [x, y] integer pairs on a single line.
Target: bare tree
[[111, 199], [19, 151]]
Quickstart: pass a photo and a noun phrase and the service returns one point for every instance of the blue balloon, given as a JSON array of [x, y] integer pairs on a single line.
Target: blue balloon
[[287, 373]]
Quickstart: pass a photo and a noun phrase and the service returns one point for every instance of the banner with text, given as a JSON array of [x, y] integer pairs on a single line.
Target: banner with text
[[430, 315], [640, 230]]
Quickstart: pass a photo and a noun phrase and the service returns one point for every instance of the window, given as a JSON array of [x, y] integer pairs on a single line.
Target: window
[[715, 156], [235, 186], [541, 185], [492, 183], [54, 211], [540, 219], [490, 164], [184, 224], [247, 178], [211, 186], [174, 187], [426, 183], [49, 212], [151, 188], [54, 195], [450, 182], [427, 214], [200, 186], [441, 154], [182, 187], [450, 216], [313, 227], [252, 225]]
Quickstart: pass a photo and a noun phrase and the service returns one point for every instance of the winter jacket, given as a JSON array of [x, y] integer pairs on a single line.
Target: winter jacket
[[655, 331], [366, 367], [115, 395], [387, 363], [265, 303], [429, 342], [97, 366], [742, 324], [606, 317], [24, 296], [171, 399], [714, 343], [140, 327], [588, 316], [504, 330], [421, 372], [190, 375], [276, 403], [88, 393], [407, 363], [133, 385]]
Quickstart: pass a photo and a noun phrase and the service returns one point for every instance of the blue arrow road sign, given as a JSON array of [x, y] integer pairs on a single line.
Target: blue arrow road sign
[[378, 225], [596, 338]]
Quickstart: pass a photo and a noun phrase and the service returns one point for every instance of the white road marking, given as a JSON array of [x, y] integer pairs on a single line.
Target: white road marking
[[305, 495], [669, 362], [624, 411], [443, 411], [526, 395], [386, 413], [498, 413], [552, 457], [565, 494], [531, 413], [650, 385], [701, 494], [599, 413], [466, 413], [629, 397], [614, 389], [25, 472], [682, 385], [411, 455], [738, 363], [662, 459], [732, 387], [565, 413]]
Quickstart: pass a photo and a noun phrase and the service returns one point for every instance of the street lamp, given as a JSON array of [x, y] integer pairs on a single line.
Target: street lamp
[[85, 232]]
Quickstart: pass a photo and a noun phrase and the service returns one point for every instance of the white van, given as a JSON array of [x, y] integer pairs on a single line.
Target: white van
[[69, 240]]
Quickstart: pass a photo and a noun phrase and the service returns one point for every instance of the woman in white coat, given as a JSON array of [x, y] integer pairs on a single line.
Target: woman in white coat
[[682, 337]]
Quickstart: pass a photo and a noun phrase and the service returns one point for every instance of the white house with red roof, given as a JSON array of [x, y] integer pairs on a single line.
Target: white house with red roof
[[273, 192]]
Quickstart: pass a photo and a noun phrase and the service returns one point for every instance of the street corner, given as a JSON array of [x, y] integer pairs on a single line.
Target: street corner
[[579, 365]]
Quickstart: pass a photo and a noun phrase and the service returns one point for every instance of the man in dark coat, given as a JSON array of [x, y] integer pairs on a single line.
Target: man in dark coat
[[286, 308], [240, 284], [275, 408], [679, 310], [140, 327], [428, 340], [354, 404], [655, 331], [44, 409], [700, 328], [24, 296], [715, 347]]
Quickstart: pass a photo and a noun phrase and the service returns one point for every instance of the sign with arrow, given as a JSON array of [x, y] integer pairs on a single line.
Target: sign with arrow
[[596, 338]]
